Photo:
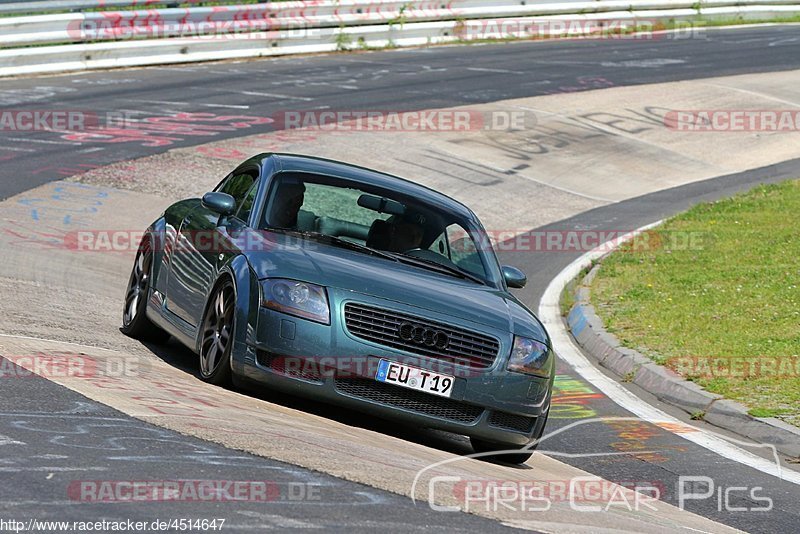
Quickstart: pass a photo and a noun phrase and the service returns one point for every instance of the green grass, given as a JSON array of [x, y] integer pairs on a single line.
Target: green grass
[[764, 412], [730, 298], [567, 300]]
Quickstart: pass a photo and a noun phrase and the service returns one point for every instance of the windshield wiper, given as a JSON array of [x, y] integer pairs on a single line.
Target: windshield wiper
[[421, 262], [338, 241], [344, 243], [441, 267]]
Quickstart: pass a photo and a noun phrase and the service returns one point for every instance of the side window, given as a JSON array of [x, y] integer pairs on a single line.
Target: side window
[[441, 246], [457, 245], [463, 251], [247, 204], [238, 186]]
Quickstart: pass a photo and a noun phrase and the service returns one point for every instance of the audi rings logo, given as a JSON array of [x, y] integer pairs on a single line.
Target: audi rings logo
[[422, 335]]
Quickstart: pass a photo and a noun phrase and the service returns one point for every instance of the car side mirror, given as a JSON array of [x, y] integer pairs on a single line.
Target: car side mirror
[[514, 277], [221, 203]]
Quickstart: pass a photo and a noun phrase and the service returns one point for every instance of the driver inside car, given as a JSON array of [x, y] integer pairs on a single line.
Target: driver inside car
[[287, 201], [406, 236]]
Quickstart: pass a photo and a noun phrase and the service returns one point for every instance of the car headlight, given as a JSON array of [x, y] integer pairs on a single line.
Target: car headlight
[[302, 299], [530, 357]]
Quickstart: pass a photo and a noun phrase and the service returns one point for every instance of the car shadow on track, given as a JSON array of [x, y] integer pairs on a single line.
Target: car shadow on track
[[183, 359]]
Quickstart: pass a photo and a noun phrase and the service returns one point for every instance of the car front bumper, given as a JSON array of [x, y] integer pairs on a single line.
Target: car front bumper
[[327, 363]]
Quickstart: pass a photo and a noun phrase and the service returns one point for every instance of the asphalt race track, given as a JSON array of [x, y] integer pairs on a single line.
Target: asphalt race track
[[41, 420], [398, 80], [52, 436]]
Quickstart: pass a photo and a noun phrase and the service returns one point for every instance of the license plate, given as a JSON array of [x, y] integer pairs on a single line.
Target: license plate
[[415, 378]]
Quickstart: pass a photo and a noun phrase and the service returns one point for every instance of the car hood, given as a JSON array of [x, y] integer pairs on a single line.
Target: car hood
[[357, 272]]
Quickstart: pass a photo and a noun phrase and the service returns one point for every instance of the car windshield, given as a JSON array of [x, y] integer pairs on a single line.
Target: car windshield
[[411, 230]]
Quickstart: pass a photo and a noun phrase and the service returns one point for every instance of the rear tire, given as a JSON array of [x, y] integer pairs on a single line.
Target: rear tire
[[216, 336], [134, 317]]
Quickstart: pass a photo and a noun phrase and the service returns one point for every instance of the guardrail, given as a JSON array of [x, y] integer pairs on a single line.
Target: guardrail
[[165, 23], [77, 41], [15, 6]]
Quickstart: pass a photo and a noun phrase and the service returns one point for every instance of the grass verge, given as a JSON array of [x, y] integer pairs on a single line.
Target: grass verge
[[714, 294]]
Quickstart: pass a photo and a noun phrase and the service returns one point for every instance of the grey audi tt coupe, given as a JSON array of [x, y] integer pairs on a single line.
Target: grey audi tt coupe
[[352, 287]]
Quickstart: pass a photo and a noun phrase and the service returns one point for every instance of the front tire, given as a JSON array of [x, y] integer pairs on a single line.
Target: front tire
[[216, 336], [134, 319], [482, 446], [518, 458]]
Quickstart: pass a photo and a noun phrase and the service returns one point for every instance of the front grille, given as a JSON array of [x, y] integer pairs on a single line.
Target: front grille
[[443, 342], [510, 421], [296, 368], [415, 401]]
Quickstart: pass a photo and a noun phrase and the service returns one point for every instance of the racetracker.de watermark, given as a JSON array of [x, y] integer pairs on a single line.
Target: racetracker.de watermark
[[510, 240], [262, 30], [116, 491], [733, 120], [47, 120], [442, 120], [588, 240], [65, 365], [344, 366], [446, 120], [577, 28], [710, 367], [115, 123]]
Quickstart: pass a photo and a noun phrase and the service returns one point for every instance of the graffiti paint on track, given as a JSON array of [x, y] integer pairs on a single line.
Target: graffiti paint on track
[[165, 130]]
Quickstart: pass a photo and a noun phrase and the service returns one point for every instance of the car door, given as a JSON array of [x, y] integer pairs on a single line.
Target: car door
[[202, 242]]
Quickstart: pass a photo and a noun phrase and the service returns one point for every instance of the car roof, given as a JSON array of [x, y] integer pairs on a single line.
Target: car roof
[[311, 164]]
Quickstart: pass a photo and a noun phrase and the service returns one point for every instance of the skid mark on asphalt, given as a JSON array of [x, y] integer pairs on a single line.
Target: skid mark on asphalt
[[5, 440], [11, 97]]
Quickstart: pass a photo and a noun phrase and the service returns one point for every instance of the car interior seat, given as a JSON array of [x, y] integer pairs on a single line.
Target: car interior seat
[[306, 221], [339, 228]]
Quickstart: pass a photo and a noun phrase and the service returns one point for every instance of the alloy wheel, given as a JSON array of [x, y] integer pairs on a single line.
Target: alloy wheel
[[217, 331], [137, 288]]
